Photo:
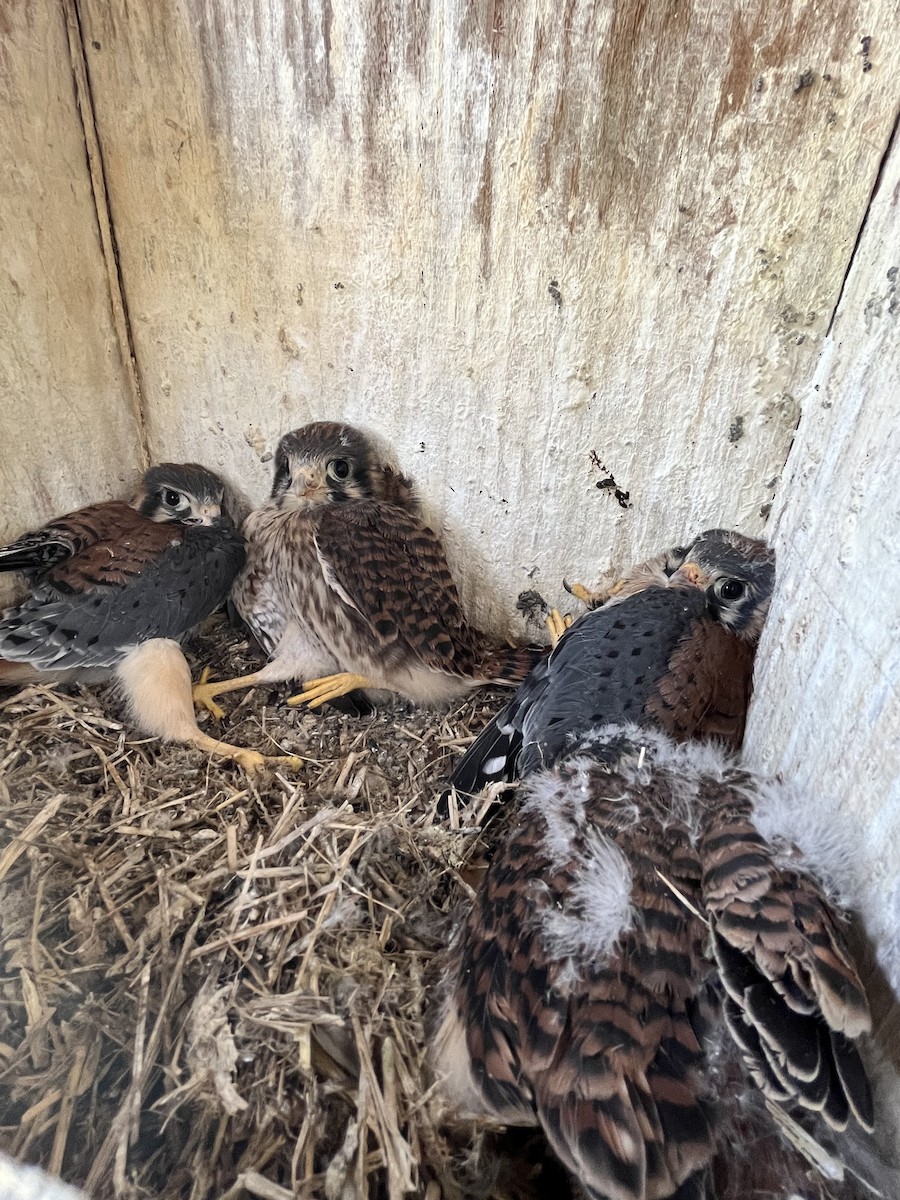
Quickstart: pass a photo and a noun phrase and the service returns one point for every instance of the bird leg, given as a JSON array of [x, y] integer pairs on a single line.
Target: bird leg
[[204, 692], [251, 760], [319, 691], [157, 684], [557, 623]]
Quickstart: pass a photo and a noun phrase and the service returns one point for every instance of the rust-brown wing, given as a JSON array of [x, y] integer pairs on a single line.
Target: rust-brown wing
[[125, 580], [602, 1033], [88, 546], [706, 690], [605, 1050], [391, 572], [110, 544]]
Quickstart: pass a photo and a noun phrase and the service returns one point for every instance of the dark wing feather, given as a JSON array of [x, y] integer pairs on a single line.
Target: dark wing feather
[[33, 553], [37, 552], [154, 580], [391, 572], [493, 756], [607, 667], [796, 1000]]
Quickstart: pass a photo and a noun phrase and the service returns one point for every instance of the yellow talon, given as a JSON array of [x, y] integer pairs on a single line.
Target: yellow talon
[[557, 623], [580, 592], [319, 691], [203, 693], [253, 762]]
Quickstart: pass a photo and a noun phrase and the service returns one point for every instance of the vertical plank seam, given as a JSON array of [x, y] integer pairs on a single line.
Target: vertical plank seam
[[103, 215], [851, 261], [879, 178]]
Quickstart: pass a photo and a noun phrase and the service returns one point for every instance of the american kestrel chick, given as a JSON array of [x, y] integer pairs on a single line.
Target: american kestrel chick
[[647, 952], [346, 587], [114, 590], [676, 652]]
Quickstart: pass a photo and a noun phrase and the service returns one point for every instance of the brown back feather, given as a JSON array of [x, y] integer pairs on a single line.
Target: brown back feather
[[707, 688], [609, 1051]]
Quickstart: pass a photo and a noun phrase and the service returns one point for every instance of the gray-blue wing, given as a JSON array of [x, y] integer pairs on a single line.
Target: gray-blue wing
[[92, 615], [607, 667]]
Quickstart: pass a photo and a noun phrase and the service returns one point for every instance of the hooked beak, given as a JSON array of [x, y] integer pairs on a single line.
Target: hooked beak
[[692, 575], [307, 482], [208, 514]]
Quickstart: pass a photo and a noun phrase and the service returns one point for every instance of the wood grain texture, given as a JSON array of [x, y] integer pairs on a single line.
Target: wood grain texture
[[827, 704], [503, 236], [66, 430]]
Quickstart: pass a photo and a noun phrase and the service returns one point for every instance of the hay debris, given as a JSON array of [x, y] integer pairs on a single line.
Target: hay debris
[[213, 987]]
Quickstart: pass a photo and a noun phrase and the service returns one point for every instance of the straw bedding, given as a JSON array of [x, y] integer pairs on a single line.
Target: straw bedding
[[214, 987]]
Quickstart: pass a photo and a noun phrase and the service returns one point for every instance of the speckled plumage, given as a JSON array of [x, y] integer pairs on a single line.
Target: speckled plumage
[[343, 575], [115, 588], [670, 651], [637, 957], [117, 579]]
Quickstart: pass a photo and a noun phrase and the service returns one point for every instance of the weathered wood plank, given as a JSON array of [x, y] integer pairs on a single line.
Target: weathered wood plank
[[827, 706], [504, 235], [66, 429]]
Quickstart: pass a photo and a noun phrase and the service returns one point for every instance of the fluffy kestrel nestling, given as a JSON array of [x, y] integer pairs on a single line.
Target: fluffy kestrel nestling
[[674, 649], [114, 589], [653, 973], [346, 587]]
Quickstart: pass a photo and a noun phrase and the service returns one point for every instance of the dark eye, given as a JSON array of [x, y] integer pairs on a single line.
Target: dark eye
[[171, 498], [730, 589], [339, 468]]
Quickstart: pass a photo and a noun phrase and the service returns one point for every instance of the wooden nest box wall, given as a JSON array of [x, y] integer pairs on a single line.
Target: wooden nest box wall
[[603, 274]]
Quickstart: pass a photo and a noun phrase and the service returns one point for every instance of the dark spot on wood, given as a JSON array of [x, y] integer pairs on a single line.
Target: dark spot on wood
[[553, 289], [96, 45], [608, 483], [338, 287], [805, 80], [866, 43], [736, 429]]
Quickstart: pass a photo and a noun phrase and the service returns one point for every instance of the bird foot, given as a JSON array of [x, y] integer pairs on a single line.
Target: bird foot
[[251, 760], [319, 691], [203, 694], [588, 598], [557, 623]]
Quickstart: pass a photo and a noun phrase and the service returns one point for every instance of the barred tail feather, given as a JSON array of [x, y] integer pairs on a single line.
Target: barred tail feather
[[509, 665]]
